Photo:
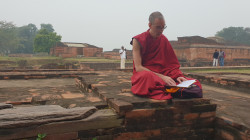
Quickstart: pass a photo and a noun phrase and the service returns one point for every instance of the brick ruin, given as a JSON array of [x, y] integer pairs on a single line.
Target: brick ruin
[[65, 50], [198, 51], [117, 114]]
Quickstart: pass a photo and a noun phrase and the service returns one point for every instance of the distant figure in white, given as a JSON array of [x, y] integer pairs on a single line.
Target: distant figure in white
[[123, 57]]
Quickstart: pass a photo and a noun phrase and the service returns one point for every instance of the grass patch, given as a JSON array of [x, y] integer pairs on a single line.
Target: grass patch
[[244, 71], [42, 60]]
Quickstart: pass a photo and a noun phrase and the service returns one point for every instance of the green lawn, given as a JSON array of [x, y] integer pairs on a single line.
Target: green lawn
[[38, 61]]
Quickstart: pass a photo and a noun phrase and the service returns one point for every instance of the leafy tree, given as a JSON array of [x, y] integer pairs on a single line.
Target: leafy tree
[[8, 37], [247, 29], [44, 40], [48, 27], [235, 34], [26, 36]]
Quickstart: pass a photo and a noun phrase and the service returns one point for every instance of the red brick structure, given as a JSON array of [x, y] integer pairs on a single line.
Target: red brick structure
[[114, 54], [198, 51], [67, 49], [196, 40]]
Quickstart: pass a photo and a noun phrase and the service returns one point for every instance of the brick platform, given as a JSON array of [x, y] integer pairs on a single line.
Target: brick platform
[[125, 116]]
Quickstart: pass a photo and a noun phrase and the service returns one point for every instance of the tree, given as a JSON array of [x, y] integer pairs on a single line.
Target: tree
[[44, 40], [235, 34], [247, 29], [48, 27], [26, 36], [8, 37]]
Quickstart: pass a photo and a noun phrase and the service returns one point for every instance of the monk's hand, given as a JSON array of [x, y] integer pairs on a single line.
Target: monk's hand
[[181, 79], [169, 81]]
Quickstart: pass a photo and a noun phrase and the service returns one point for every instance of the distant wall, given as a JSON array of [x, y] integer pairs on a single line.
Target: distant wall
[[115, 54], [195, 55], [92, 52], [66, 52]]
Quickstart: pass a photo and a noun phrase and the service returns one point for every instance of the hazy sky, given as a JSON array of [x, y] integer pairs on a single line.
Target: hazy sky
[[112, 23]]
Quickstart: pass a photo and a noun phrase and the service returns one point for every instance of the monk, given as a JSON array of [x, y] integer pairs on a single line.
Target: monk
[[155, 65]]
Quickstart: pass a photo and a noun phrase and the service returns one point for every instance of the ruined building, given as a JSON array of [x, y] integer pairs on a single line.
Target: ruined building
[[68, 49], [198, 51]]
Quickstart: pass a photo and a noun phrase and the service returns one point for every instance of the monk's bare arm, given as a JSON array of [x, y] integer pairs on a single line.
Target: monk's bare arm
[[139, 67], [137, 57]]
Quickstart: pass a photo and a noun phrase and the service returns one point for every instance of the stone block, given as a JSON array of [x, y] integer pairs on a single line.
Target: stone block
[[5, 106], [37, 115], [101, 119], [207, 114], [6, 77], [44, 98], [187, 103], [62, 136], [140, 113], [138, 135], [121, 107], [223, 82], [203, 108], [226, 135], [191, 116], [97, 85], [126, 90]]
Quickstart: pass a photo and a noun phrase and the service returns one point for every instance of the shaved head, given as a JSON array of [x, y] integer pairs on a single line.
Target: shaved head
[[155, 15]]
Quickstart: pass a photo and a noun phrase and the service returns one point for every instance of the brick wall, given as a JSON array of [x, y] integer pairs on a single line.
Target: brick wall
[[194, 54], [227, 129], [115, 54], [103, 66], [92, 52], [196, 40], [66, 52]]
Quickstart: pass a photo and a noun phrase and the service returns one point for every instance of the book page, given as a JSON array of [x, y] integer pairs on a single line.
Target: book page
[[186, 84]]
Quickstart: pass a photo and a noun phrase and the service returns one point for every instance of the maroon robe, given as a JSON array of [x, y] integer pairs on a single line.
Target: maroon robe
[[158, 56]]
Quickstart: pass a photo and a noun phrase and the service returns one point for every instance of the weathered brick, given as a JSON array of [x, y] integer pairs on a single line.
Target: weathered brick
[[207, 114], [223, 82], [203, 108], [138, 135], [243, 136], [121, 107], [62, 136], [97, 85], [226, 135], [140, 113], [6, 77], [126, 90], [231, 83], [191, 116]]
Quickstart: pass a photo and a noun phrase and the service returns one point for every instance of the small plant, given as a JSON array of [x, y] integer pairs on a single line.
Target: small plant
[[94, 139], [40, 136]]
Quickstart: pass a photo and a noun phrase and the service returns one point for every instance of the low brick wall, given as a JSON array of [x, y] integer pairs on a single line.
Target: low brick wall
[[241, 85], [42, 74], [168, 119], [226, 129], [103, 66]]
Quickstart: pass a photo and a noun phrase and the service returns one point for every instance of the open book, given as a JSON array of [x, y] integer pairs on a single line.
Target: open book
[[185, 84]]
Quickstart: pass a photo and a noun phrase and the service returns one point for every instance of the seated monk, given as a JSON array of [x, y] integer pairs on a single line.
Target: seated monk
[[155, 65]]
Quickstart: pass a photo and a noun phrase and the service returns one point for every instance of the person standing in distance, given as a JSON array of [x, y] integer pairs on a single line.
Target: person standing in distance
[[221, 57], [122, 52], [215, 56]]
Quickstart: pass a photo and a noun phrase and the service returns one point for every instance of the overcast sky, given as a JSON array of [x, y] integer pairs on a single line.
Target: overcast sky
[[112, 23]]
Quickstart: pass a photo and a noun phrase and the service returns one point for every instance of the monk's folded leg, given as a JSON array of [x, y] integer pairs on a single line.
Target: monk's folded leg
[[146, 83]]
